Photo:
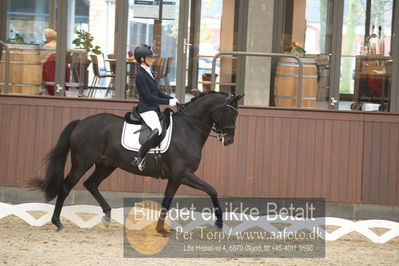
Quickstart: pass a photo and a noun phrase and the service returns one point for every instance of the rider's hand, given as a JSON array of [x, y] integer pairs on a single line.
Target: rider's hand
[[173, 102]]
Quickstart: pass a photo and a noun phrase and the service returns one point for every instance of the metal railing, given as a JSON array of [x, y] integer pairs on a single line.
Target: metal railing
[[7, 67], [299, 94]]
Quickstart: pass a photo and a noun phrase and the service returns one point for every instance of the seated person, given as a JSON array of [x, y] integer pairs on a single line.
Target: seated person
[[47, 57], [50, 45], [48, 73]]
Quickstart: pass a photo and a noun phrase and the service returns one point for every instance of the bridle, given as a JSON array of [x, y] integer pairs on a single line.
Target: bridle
[[218, 128]]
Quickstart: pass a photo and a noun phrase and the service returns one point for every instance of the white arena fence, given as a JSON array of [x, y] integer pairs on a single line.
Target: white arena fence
[[71, 213]]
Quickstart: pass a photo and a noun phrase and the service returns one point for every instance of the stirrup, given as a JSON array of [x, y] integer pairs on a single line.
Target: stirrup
[[139, 162]]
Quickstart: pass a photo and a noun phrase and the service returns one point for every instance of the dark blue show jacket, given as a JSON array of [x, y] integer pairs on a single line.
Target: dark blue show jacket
[[150, 96]]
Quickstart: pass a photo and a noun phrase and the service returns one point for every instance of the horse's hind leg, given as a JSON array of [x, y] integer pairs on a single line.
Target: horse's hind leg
[[100, 173], [70, 181], [170, 192], [193, 181]]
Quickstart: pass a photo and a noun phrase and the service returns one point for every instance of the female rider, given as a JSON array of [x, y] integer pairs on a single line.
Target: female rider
[[150, 97]]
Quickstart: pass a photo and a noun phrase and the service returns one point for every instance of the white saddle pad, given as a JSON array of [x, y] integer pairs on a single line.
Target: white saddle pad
[[130, 141]]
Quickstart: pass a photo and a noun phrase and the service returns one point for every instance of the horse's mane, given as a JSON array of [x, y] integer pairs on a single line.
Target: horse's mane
[[202, 94]]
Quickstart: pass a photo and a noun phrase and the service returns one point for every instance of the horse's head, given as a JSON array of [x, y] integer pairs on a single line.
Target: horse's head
[[224, 118]]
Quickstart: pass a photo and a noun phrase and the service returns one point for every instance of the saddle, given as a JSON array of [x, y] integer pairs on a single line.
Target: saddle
[[135, 118], [135, 132]]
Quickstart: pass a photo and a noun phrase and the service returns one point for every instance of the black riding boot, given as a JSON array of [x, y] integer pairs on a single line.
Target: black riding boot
[[149, 143]]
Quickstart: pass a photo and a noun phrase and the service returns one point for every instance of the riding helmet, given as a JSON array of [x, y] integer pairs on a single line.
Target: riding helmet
[[143, 51]]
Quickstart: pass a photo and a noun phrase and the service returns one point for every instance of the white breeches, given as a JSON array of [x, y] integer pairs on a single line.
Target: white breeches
[[152, 120]]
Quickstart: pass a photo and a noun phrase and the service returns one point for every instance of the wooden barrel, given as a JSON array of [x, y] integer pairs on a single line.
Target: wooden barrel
[[25, 69], [286, 82]]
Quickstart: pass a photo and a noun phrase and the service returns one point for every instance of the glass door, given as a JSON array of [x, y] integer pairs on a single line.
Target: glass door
[[89, 43], [366, 62], [307, 33], [317, 44], [159, 24], [183, 51], [24, 26], [210, 28], [185, 37]]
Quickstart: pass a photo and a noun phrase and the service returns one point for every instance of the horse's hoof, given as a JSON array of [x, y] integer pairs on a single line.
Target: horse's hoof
[[219, 224], [163, 232], [106, 220], [60, 228]]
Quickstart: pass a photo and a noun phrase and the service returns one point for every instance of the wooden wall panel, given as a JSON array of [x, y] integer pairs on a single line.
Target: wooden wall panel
[[293, 156], [258, 156], [393, 171], [318, 160], [380, 162], [4, 138], [340, 156]]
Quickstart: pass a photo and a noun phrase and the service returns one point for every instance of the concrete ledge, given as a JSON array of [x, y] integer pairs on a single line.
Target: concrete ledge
[[351, 211], [369, 211], [341, 210]]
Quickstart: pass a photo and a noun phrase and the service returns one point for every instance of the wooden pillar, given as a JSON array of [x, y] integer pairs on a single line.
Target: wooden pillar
[[299, 21], [62, 27], [227, 44], [158, 31], [394, 103], [194, 40], [121, 19], [3, 21], [51, 22]]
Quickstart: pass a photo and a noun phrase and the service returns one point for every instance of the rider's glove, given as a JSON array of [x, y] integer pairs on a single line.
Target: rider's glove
[[173, 102]]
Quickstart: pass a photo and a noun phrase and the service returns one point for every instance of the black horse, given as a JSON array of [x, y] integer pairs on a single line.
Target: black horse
[[97, 140]]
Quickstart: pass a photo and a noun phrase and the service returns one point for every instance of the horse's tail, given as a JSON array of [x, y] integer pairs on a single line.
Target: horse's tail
[[56, 160]]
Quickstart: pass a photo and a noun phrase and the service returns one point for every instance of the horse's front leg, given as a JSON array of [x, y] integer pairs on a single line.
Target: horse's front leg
[[193, 181], [170, 192]]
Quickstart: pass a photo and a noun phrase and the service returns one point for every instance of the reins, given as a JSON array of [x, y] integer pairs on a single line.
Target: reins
[[219, 132]]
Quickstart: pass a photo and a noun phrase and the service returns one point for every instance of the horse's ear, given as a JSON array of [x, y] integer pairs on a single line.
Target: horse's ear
[[238, 97]]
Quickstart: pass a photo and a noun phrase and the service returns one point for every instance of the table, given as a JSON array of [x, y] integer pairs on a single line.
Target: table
[[372, 84], [130, 89]]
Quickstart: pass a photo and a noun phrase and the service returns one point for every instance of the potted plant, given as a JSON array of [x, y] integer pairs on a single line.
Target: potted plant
[[84, 41], [18, 38], [297, 49]]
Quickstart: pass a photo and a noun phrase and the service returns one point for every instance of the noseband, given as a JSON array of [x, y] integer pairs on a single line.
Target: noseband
[[221, 131]]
